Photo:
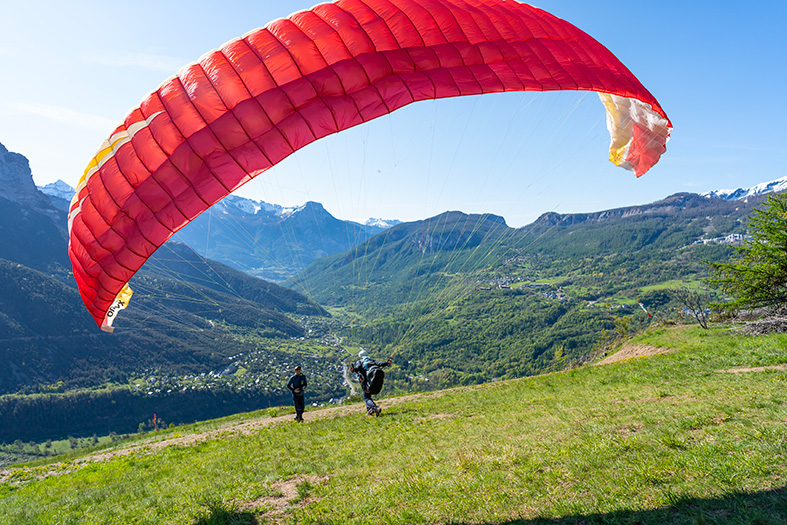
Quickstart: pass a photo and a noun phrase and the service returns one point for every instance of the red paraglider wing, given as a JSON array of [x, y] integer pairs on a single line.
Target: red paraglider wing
[[245, 107]]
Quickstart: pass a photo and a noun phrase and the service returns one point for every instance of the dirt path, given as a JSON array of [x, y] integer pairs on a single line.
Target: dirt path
[[347, 379], [630, 351], [155, 443], [753, 369]]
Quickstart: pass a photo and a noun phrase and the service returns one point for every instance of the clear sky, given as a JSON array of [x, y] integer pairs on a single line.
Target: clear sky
[[72, 70]]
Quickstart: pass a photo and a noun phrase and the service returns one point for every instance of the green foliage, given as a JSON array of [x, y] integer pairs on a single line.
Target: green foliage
[[668, 440], [190, 317], [756, 276], [421, 292], [462, 299]]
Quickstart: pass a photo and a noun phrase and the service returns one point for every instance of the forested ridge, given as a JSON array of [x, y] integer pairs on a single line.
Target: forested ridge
[[455, 299], [461, 299], [200, 340]]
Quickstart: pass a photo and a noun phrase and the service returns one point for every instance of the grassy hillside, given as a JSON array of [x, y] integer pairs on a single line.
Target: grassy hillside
[[674, 438]]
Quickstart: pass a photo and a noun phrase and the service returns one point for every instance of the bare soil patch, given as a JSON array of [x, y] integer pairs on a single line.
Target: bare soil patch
[[631, 351], [752, 369], [629, 430], [284, 495], [435, 416]]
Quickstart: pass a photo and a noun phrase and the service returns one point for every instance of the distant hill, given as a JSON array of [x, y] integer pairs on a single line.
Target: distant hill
[[30, 236], [456, 243], [671, 223], [189, 315], [465, 299], [180, 263], [386, 270], [271, 244]]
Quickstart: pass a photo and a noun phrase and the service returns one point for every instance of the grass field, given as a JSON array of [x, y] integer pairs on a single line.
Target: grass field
[[674, 438]]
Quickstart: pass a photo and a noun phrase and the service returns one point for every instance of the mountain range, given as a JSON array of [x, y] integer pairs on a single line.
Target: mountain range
[[462, 299], [774, 186], [264, 240], [381, 271], [457, 298], [191, 316], [275, 243]]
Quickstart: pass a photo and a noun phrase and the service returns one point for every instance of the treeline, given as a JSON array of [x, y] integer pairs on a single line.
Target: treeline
[[120, 410], [84, 361], [47, 336], [483, 337]]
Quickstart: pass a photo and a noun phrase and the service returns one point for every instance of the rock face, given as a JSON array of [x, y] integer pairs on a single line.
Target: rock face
[[32, 231], [267, 240], [16, 181]]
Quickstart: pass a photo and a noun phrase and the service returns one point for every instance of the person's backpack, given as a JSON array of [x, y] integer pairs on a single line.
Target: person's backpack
[[374, 379]]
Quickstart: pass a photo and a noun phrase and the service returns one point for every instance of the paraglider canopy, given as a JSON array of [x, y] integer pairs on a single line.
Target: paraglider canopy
[[246, 106]]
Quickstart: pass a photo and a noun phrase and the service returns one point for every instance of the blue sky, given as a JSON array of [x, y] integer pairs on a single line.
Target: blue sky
[[71, 71]]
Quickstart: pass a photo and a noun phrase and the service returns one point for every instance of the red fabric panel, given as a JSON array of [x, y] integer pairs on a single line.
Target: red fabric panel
[[225, 79], [247, 106], [347, 28], [250, 67]]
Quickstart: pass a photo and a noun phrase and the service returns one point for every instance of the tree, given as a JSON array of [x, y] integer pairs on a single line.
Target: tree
[[756, 276], [692, 301]]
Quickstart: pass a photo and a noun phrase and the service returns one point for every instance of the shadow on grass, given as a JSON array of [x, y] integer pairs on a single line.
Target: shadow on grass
[[758, 508], [221, 514]]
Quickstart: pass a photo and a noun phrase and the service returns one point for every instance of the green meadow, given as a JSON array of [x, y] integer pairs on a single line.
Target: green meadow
[[678, 437]]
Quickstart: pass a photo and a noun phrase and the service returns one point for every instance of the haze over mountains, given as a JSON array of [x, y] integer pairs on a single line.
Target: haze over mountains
[[261, 239]]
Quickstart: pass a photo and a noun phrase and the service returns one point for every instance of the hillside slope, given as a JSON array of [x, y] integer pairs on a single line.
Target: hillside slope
[[271, 245], [465, 299], [189, 314], [200, 339], [667, 439]]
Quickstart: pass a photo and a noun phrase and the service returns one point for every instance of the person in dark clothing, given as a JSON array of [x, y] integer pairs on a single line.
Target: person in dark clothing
[[297, 385], [370, 375]]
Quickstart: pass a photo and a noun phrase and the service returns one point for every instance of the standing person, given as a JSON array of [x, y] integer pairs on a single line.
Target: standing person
[[371, 377], [297, 385]]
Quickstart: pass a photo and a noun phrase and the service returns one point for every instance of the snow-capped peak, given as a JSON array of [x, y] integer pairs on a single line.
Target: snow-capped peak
[[58, 189], [248, 206], [382, 223], [743, 193], [289, 212]]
